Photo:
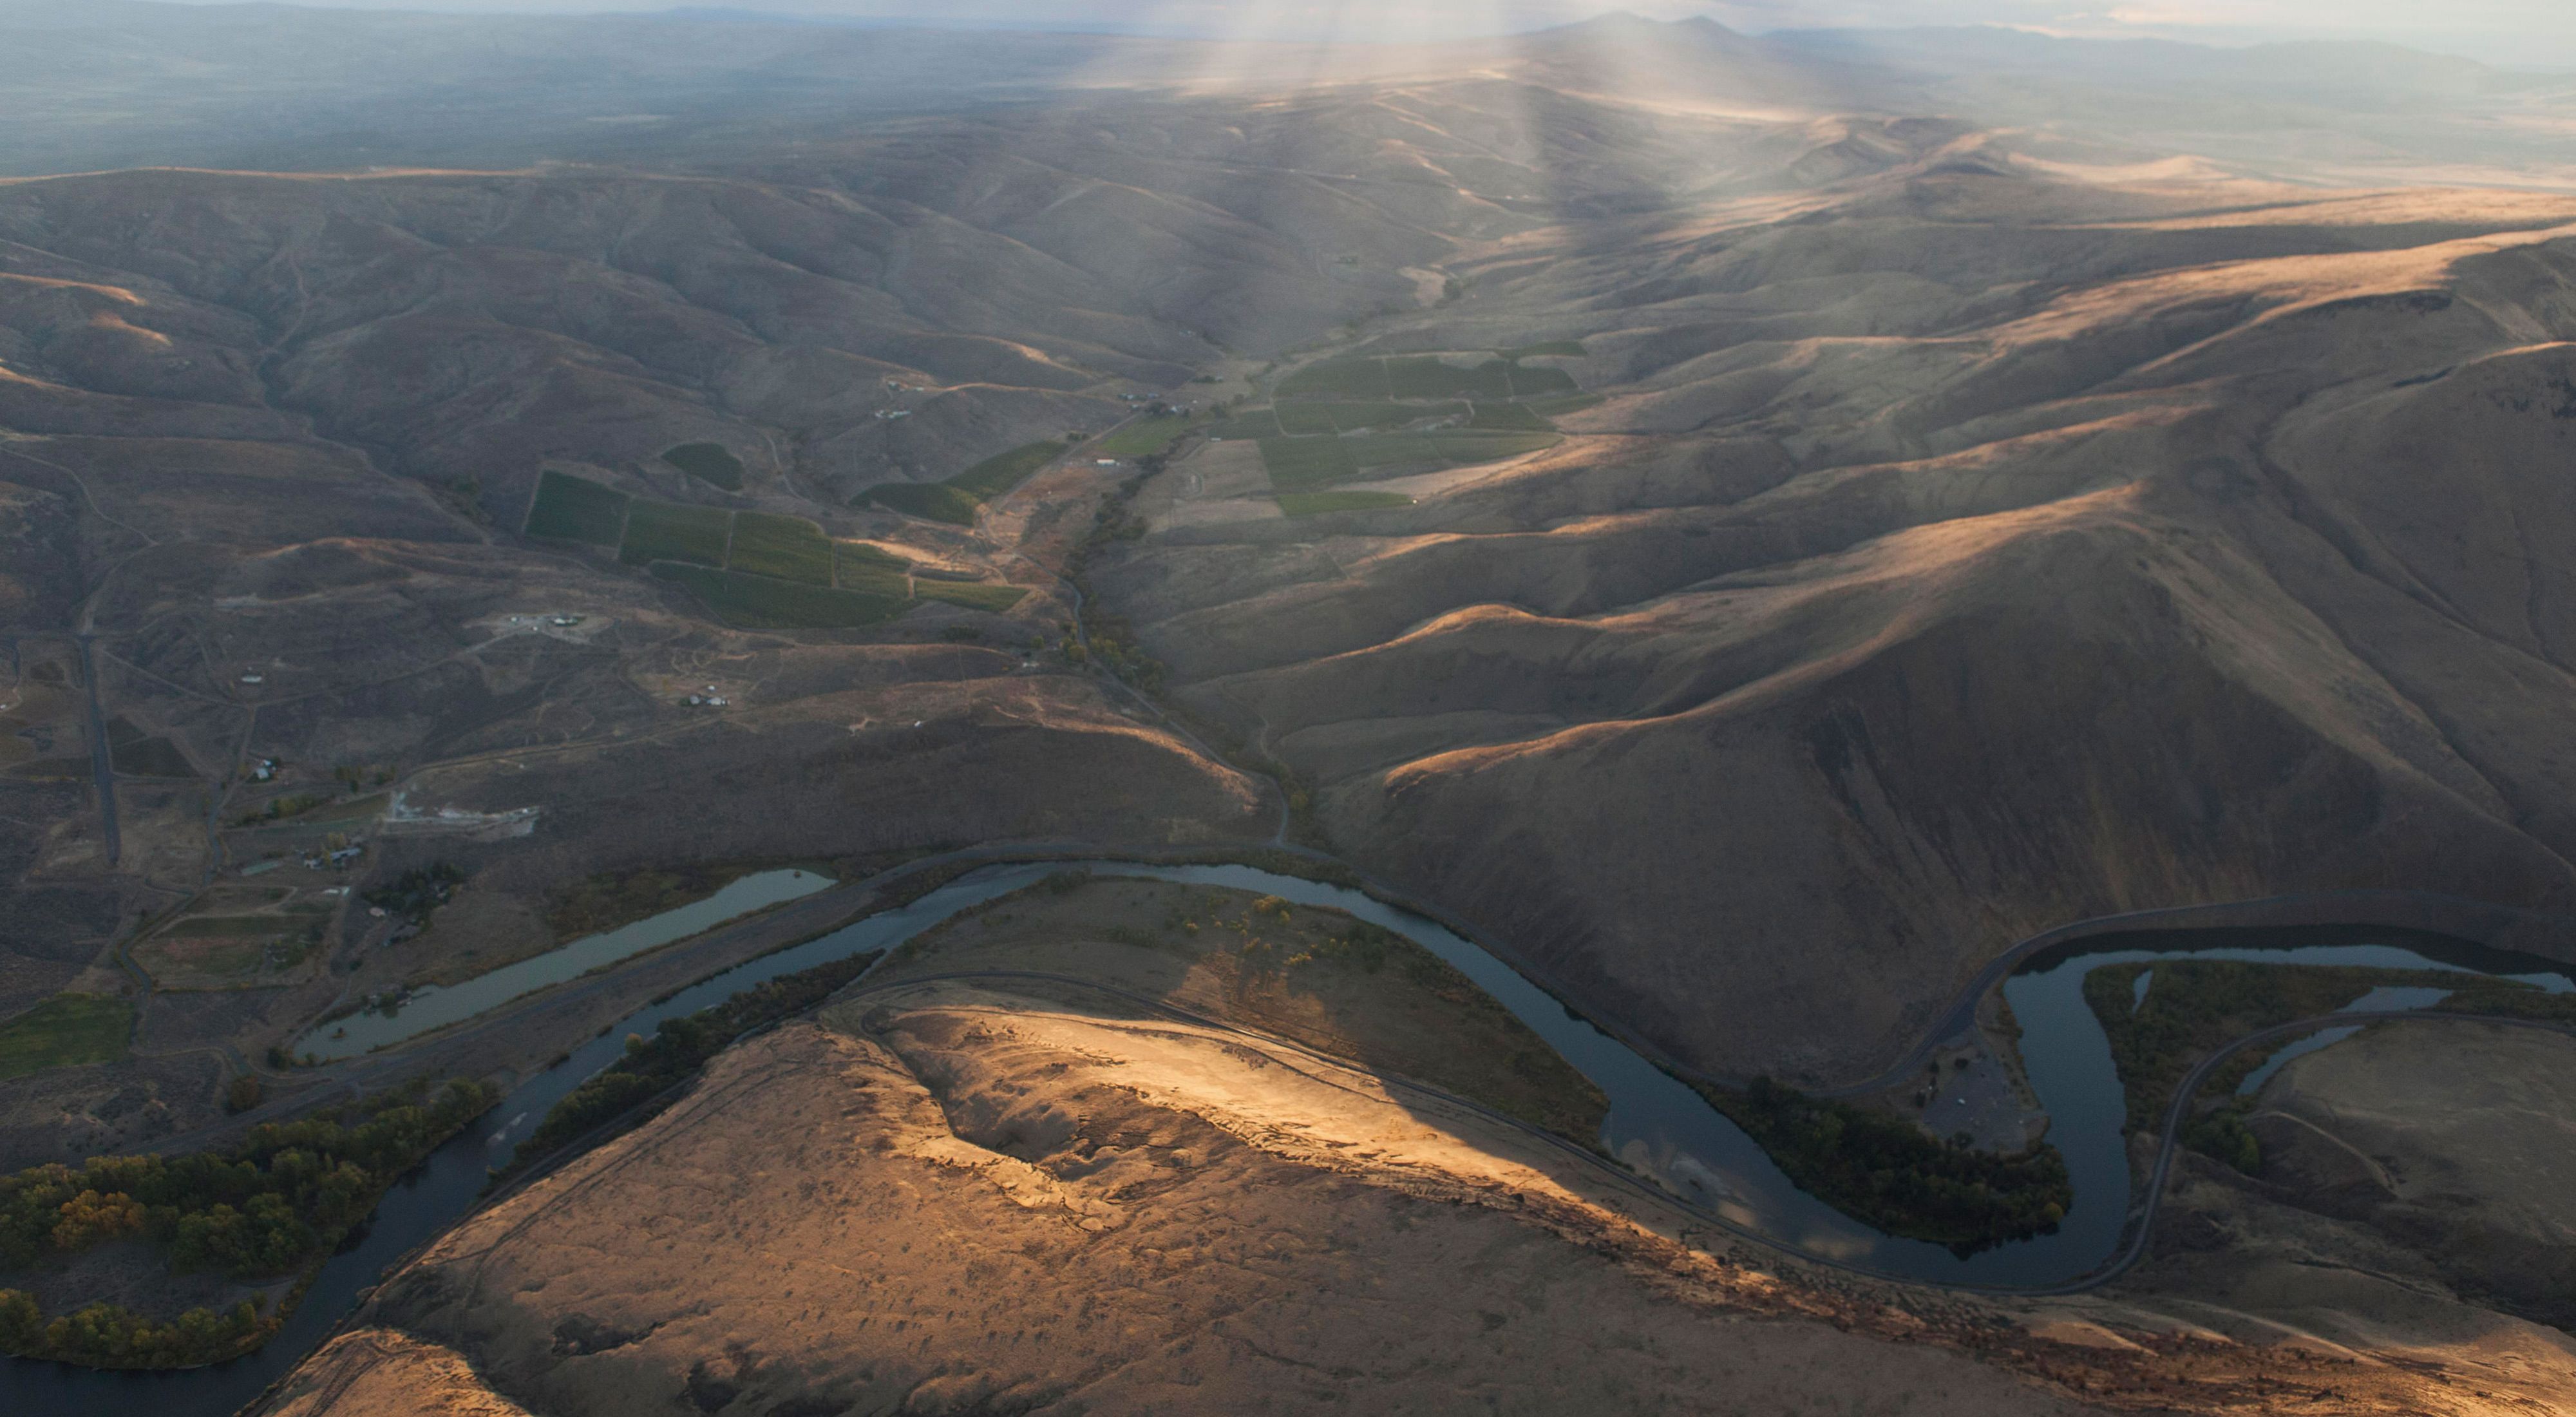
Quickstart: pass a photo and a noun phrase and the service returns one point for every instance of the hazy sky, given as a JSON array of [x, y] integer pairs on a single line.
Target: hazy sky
[[2502, 31]]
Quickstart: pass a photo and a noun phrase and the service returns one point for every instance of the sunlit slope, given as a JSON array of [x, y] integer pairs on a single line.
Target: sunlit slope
[[979, 1201], [1956, 552]]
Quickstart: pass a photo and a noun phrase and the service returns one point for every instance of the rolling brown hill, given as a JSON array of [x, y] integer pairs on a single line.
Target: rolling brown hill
[[1959, 550], [272, 439], [1753, 525], [1975, 531]]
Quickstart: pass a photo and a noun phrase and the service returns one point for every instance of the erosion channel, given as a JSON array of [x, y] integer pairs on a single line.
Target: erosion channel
[[1658, 1127]]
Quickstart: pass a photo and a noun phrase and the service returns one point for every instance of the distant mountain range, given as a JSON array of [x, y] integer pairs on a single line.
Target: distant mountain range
[[131, 82]]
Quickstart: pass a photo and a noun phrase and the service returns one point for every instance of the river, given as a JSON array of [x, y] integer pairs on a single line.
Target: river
[[1657, 1125], [432, 1008]]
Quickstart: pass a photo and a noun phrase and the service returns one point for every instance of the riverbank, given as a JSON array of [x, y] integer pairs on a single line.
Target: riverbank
[[1658, 1128]]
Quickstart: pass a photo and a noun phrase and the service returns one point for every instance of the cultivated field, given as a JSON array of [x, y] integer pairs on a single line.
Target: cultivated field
[[710, 463], [63, 1031]]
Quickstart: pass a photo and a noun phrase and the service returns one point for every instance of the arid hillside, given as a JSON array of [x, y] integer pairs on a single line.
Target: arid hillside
[[1749, 528], [1948, 550], [285, 571], [1756, 559]]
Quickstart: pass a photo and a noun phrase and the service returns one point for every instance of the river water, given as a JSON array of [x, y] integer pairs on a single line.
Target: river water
[[434, 1008], [2068, 1061], [1657, 1125]]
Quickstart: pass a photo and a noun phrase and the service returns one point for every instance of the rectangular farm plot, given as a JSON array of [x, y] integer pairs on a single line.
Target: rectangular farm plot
[[974, 595], [65, 1030], [1297, 464], [1306, 420], [1385, 450], [994, 476], [782, 547], [759, 602], [1301, 419], [1518, 417], [931, 501], [671, 531], [710, 463], [1427, 377], [1338, 379], [136, 755], [1143, 438], [218, 950], [861, 567], [354, 809], [576, 509], [1258, 423]]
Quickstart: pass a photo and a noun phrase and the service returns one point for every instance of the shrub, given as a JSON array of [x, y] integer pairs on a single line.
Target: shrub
[[1888, 1173], [282, 1198], [418, 892], [2221, 1134]]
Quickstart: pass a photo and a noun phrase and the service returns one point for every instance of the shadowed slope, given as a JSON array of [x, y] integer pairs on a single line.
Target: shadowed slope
[[2124, 553]]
